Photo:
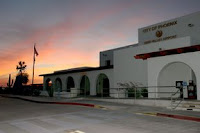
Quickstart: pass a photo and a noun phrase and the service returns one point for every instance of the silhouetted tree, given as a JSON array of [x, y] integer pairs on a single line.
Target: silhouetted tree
[[21, 78], [21, 67], [24, 77]]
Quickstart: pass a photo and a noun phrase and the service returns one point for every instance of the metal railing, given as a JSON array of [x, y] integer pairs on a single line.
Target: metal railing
[[150, 93], [153, 92], [176, 101]]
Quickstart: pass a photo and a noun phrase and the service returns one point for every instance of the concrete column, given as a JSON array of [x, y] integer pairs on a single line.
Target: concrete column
[[92, 79], [64, 84]]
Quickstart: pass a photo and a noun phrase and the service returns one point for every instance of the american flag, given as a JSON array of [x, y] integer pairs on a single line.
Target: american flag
[[35, 51]]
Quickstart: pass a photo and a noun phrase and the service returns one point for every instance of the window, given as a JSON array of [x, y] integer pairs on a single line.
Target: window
[[107, 62]]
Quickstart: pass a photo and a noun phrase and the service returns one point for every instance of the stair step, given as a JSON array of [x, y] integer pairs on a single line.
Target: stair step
[[183, 108], [189, 109], [185, 105], [190, 106]]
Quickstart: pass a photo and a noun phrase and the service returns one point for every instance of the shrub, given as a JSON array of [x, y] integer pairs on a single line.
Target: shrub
[[131, 92], [144, 92], [5, 90], [36, 92], [27, 91], [130, 89]]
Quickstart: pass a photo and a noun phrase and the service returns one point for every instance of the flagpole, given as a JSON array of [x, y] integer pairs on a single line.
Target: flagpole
[[33, 64]]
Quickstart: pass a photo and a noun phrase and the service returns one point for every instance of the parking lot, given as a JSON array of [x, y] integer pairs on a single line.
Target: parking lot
[[17, 116]]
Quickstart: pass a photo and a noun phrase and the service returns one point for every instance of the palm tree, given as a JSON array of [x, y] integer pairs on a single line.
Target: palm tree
[[21, 67], [18, 88]]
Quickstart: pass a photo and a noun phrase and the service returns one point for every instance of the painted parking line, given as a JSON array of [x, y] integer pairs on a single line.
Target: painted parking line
[[147, 113], [100, 107], [77, 131]]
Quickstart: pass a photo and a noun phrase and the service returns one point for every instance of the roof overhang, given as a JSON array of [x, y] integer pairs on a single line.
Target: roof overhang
[[145, 56], [78, 71]]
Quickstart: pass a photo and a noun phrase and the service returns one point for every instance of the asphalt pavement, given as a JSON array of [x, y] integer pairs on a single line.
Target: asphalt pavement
[[19, 115]]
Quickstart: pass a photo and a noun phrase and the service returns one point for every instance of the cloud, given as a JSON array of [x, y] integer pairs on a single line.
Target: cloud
[[71, 41]]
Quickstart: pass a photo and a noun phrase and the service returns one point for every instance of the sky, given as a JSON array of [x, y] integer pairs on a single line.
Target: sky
[[71, 33]]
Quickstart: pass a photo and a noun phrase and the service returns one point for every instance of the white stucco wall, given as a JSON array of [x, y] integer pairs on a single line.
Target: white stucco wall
[[104, 56], [155, 66], [176, 71], [181, 29], [129, 69], [92, 75], [165, 45]]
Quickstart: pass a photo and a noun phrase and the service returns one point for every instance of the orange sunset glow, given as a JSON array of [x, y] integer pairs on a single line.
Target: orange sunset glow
[[70, 33]]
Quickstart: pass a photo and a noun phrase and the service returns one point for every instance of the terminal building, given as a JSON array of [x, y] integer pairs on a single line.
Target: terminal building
[[166, 52]]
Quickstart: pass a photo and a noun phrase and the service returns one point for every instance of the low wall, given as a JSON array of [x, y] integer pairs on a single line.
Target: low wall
[[145, 102], [60, 94]]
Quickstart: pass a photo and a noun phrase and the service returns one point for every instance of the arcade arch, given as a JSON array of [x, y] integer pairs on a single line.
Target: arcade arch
[[102, 86], [172, 72], [85, 86], [70, 83]]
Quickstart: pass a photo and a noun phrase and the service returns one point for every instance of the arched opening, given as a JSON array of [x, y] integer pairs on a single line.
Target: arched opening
[[176, 71], [85, 86], [102, 86], [48, 84], [70, 84], [58, 85]]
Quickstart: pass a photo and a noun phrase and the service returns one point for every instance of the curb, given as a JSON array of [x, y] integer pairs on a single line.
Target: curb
[[45, 102], [181, 117]]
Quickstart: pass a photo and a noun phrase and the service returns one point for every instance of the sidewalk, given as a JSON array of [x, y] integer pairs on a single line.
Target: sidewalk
[[90, 102], [47, 100]]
